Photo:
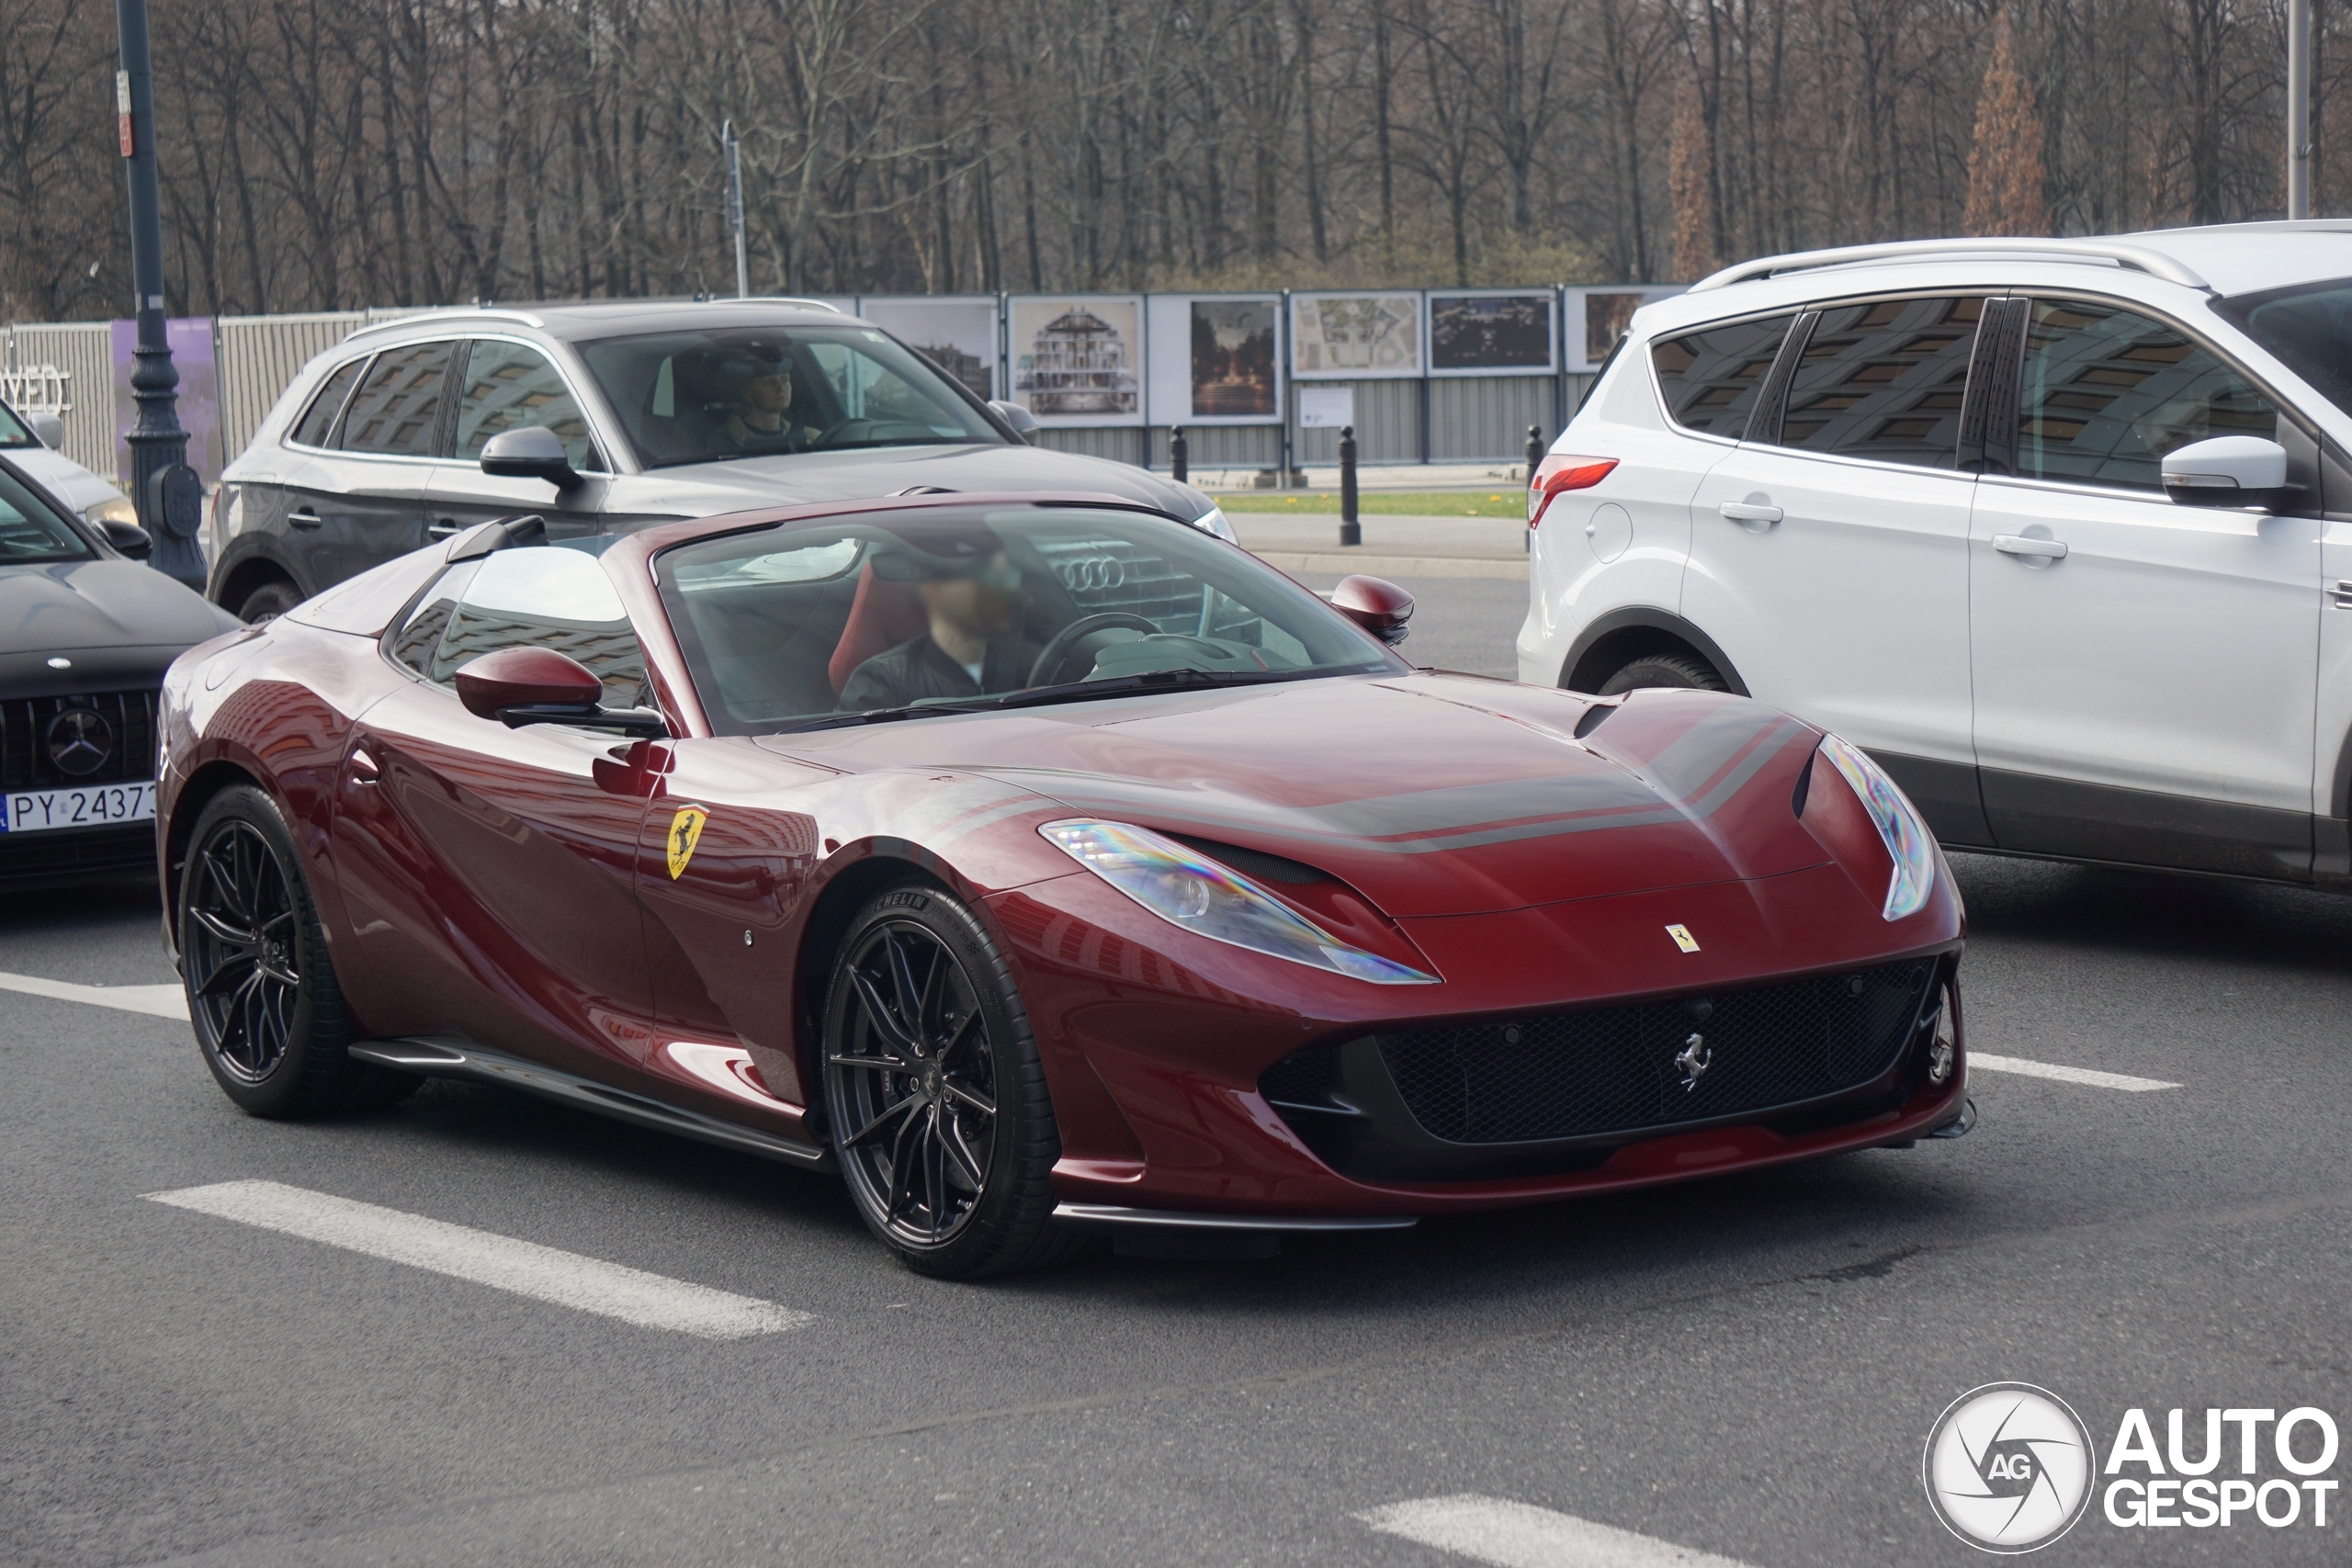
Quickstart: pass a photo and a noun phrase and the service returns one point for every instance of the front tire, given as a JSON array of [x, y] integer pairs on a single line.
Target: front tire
[[939, 1110], [261, 987]]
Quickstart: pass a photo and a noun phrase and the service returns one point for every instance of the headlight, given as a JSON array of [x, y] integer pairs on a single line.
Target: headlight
[[1188, 889], [1898, 826], [114, 509], [1214, 521]]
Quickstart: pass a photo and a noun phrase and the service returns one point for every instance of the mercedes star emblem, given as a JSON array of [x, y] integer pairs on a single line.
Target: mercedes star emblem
[[80, 741]]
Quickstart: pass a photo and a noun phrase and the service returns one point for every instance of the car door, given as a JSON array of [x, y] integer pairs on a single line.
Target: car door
[[489, 870], [1829, 552], [508, 384], [368, 503], [2144, 672]]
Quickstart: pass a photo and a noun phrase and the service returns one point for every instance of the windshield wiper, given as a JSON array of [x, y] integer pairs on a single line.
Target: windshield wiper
[[1069, 692]]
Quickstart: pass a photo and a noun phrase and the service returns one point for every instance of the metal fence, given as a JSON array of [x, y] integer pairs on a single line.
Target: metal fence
[[1428, 420]]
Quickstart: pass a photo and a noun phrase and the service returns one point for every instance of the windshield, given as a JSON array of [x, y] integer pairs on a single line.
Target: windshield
[[711, 396], [32, 533], [944, 609], [2309, 327]]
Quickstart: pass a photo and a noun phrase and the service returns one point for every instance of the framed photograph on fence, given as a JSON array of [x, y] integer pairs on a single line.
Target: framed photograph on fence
[[1214, 358], [1494, 332], [954, 331], [1599, 317], [1338, 337], [1078, 359]]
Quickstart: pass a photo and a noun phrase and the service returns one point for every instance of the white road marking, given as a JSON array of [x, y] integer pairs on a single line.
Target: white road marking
[[2065, 1075], [161, 1002], [523, 1267], [1518, 1535]]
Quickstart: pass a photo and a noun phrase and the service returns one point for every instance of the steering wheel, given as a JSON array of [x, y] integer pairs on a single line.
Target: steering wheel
[[1058, 647], [834, 430]]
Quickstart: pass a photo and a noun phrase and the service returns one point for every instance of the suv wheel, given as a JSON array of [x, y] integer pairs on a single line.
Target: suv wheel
[[268, 602], [1683, 671]]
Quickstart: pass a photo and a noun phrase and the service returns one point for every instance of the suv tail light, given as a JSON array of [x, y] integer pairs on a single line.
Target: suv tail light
[[1559, 472]]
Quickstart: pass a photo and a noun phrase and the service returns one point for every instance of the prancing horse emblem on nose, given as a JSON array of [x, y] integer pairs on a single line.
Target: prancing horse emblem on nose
[[1694, 1061]]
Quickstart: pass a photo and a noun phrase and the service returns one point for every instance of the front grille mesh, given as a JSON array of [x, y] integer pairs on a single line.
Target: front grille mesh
[[1602, 1070], [24, 727]]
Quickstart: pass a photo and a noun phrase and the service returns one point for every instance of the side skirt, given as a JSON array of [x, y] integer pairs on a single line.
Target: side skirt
[[448, 1058]]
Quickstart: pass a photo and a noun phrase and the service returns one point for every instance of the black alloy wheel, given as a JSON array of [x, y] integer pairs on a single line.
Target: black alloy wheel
[[261, 987], [937, 1102]]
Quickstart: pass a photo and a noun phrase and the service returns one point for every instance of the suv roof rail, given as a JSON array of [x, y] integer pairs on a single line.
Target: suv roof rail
[[448, 313], [778, 299], [2138, 258]]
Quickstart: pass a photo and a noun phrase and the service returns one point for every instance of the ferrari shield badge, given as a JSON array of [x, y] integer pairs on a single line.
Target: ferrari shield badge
[[1681, 934], [686, 832]]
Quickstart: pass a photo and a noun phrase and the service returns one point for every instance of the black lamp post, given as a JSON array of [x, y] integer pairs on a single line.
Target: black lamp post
[[167, 492]]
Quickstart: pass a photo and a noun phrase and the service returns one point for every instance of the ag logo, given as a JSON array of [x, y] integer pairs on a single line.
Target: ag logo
[[2009, 1467], [686, 832]]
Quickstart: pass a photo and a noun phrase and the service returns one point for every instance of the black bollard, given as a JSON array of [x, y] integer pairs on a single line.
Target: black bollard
[[1350, 530], [1180, 455], [1534, 450]]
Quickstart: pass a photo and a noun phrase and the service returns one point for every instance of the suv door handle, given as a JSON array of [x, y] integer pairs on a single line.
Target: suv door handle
[[444, 528], [1750, 512], [303, 518], [2018, 545]]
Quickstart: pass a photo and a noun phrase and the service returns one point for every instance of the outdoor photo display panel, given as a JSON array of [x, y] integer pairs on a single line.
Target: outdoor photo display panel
[[1493, 332], [957, 333], [1214, 358], [1597, 317], [1355, 337], [1078, 359]]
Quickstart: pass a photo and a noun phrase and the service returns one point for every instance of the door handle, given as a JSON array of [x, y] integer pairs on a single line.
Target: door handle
[[444, 528], [2040, 549], [303, 518], [1750, 512]]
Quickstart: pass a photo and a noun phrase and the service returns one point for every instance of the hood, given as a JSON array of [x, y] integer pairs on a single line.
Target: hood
[[709, 489], [114, 618], [1432, 794], [63, 477]]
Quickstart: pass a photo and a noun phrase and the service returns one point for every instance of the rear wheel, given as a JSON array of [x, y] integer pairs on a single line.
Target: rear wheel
[[268, 602], [1685, 672], [939, 1110], [261, 988]]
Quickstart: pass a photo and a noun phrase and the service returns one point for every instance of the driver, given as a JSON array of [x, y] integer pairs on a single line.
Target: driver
[[973, 645], [761, 418]]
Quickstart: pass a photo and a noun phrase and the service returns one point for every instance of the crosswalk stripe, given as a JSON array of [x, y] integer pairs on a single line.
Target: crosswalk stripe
[[1519, 1535], [2065, 1075], [524, 1268], [160, 1001]]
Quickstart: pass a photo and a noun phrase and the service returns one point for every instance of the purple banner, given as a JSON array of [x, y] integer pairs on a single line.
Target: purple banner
[[190, 338]]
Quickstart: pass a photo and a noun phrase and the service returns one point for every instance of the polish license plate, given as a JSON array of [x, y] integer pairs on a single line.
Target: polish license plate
[[91, 805]]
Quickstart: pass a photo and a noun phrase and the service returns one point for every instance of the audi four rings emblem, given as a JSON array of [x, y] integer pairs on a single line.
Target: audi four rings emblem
[[80, 741], [1095, 574]]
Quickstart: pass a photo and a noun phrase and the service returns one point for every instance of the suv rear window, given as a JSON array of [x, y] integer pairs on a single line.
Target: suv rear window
[[317, 420], [1885, 379], [1711, 378]]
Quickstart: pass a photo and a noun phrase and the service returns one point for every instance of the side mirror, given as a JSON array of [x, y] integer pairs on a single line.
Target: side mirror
[[1023, 423], [1377, 605], [533, 452], [129, 539], [517, 686], [2228, 471], [48, 430]]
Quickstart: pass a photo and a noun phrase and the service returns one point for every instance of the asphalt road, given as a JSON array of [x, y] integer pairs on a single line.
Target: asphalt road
[[1747, 1367]]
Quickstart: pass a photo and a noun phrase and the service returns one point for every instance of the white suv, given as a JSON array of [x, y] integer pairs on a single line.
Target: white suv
[[2059, 530]]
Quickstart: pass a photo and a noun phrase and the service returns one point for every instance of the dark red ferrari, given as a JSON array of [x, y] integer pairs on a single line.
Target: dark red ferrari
[[1047, 867]]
